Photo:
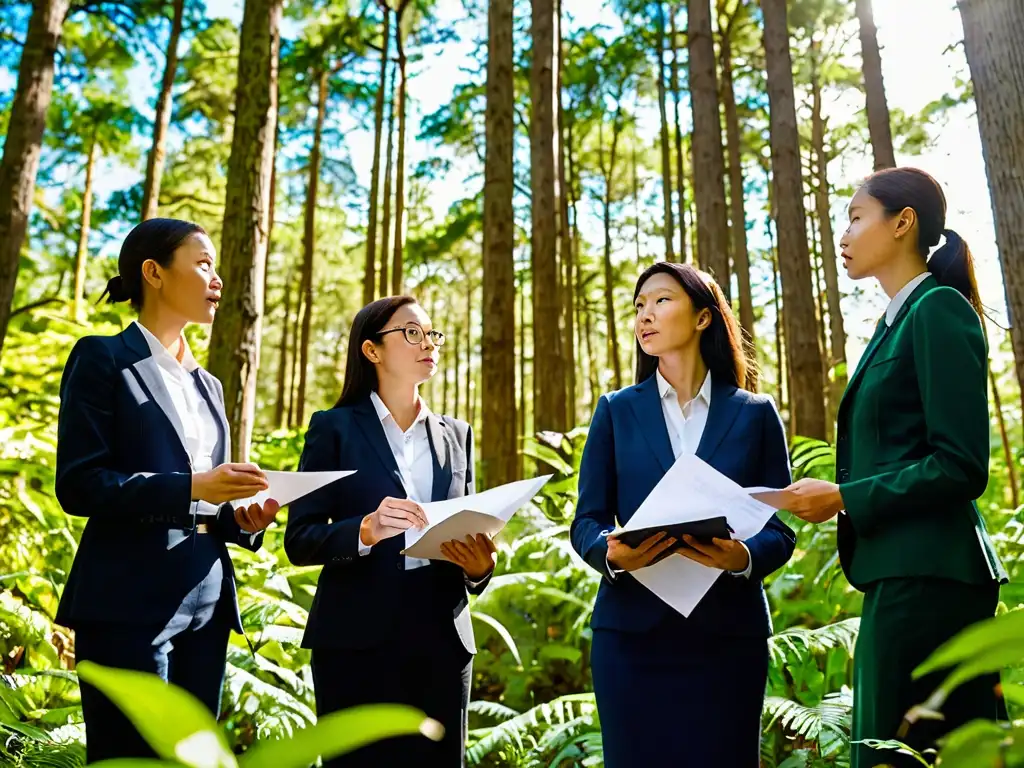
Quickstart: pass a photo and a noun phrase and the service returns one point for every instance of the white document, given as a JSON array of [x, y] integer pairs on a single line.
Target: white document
[[693, 490], [286, 487], [487, 512]]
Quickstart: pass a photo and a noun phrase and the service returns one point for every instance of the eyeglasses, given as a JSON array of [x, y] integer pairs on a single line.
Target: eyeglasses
[[414, 335]]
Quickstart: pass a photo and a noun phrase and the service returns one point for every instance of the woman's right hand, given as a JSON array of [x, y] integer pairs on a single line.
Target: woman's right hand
[[228, 482], [626, 558], [392, 517]]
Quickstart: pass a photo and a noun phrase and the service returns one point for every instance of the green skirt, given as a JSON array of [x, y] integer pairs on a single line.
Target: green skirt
[[903, 621]]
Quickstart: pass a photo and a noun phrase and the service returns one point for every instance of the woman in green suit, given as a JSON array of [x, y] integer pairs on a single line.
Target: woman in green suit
[[911, 459]]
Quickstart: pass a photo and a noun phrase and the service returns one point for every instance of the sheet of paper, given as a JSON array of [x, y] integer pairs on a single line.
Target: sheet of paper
[[286, 487], [777, 499], [486, 512], [693, 490]]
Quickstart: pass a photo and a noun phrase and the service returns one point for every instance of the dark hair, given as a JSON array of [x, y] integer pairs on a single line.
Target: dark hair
[[360, 375], [155, 239], [952, 264], [722, 345]]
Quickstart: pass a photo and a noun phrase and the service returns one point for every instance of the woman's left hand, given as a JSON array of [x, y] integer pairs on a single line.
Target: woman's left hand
[[725, 554], [814, 500], [257, 518], [476, 556]]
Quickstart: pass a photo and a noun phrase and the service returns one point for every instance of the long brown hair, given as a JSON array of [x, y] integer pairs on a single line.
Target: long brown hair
[[360, 375], [722, 345]]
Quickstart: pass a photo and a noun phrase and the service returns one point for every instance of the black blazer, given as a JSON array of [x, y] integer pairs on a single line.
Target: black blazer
[[359, 599], [628, 451], [122, 462]]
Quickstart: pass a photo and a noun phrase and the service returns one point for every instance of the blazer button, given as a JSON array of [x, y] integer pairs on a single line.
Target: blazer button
[[399, 566], [844, 475]]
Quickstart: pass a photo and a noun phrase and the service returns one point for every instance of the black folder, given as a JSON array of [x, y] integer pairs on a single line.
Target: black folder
[[702, 530]]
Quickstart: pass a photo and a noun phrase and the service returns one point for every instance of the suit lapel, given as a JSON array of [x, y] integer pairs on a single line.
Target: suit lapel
[[368, 421], [221, 452], [148, 372], [441, 452], [724, 409], [646, 404]]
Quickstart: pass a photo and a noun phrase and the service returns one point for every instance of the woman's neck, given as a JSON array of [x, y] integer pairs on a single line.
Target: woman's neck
[[685, 370], [166, 327], [902, 271], [401, 399]]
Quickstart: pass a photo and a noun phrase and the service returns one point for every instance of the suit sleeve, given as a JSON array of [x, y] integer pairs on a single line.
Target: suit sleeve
[[87, 485], [310, 538], [473, 587], [595, 507], [950, 360], [771, 548]]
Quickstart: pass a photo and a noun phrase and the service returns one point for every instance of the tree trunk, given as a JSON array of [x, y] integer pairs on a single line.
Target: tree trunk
[[396, 270], [680, 160], [272, 204], [588, 335], [82, 256], [385, 258], [293, 379], [23, 142], [803, 353], [469, 350], [498, 451], [1004, 436], [666, 160], [548, 376], [522, 369], [874, 88], [235, 339], [457, 354], [370, 269], [837, 331], [158, 151], [740, 255], [282, 353], [309, 246], [708, 163], [996, 59], [565, 194], [609, 277]]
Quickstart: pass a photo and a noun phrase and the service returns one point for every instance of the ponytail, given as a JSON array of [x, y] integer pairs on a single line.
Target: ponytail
[[953, 265]]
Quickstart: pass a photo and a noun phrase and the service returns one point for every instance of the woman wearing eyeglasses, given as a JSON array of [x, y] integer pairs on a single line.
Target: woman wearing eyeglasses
[[383, 627]]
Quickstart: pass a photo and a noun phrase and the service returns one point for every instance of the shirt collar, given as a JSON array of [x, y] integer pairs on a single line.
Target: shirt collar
[[901, 297], [163, 355], [384, 414], [665, 389]]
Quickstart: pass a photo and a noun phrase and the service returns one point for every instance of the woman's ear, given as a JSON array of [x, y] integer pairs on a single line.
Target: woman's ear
[[905, 222], [151, 273], [370, 352], [703, 319]]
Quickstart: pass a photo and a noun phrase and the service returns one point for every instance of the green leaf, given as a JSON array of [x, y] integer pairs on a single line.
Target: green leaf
[[974, 745], [975, 639], [173, 721], [341, 732], [134, 762], [498, 627]]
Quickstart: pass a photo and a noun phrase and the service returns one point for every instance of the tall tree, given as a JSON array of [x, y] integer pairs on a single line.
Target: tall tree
[[708, 163], [237, 331], [996, 59], [803, 352], [158, 149], [874, 89], [677, 97], [565, 194], [370, 269], [666, 159], [396, 269], [23, 142], [498, 451], [548, 396], [385, 257]]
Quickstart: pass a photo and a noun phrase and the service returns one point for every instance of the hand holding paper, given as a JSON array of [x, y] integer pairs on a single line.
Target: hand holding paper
[[286, 487]]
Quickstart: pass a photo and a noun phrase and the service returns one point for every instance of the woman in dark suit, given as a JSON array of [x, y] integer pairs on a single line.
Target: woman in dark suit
[[911, 459], [674, 690], [142, 451], [383, 627]]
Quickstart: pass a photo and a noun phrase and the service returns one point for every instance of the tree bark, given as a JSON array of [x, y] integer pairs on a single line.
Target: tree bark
[[708, 163], [996, 60], [469, 350], [680, 160], [282, 353], [566, 193], [548, 377], [740, 255], [498, 452], [293, 377], [158, 150], [666, 160], [396, 269], [82, 255], [370, 269], [874, 88], [609, 277], [235, 339], [803, 352], [23, 142], [997, 403], [309, 246], [385, 257], [522, 370]]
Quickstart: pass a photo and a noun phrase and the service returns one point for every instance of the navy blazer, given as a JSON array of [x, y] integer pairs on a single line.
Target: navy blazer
[[359, 598], [627, 453], [122, 462]]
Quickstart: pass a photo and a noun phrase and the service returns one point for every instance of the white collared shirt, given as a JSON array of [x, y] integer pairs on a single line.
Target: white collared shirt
[[411, 449], [901, 297], [197, 421], [685, 423]]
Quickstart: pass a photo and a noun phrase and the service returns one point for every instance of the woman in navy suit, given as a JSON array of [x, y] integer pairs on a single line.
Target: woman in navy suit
[[142, 451], [384, 627], [674, 690]]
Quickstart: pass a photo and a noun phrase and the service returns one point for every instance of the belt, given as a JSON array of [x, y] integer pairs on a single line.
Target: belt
[[175, 522]]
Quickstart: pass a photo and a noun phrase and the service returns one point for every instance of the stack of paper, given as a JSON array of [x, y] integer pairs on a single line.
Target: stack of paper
[[487, 512]]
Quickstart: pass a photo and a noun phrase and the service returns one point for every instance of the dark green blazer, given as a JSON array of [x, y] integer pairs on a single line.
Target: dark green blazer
[[913, 447]]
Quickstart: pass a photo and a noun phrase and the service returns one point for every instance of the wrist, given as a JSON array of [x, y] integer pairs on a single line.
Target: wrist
[[198, 483], [366, 531]]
